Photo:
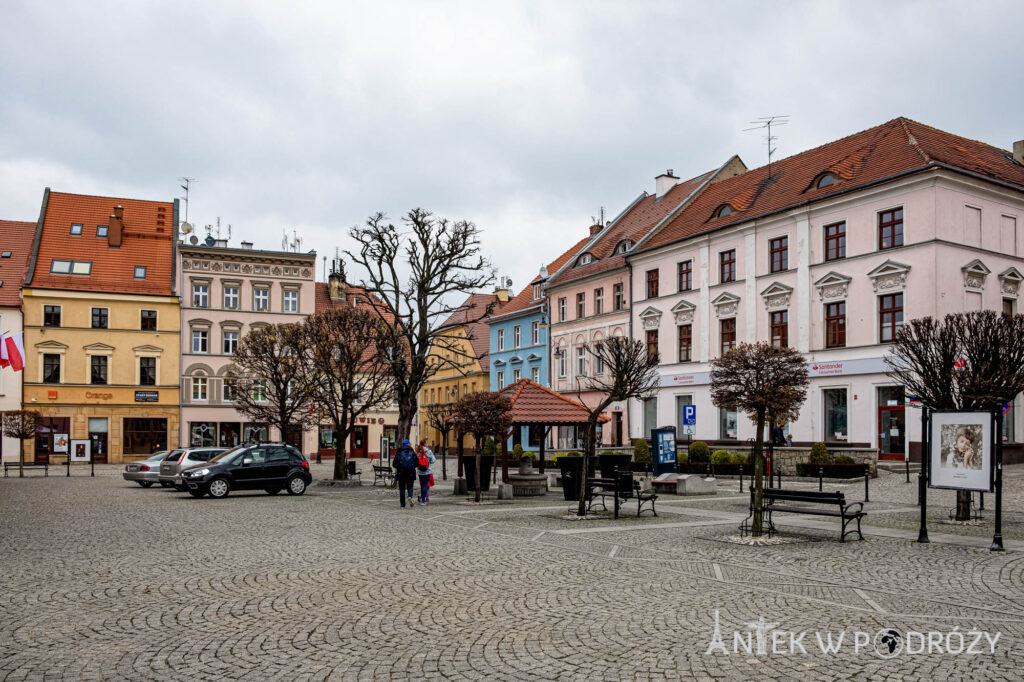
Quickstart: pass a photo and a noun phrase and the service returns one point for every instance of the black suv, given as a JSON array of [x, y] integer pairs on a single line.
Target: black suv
[[268, 466]]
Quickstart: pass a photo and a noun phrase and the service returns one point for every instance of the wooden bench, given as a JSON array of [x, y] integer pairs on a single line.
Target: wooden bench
[[643, 497], [620, 489], [383, 473], [28, 465], [801, 499]]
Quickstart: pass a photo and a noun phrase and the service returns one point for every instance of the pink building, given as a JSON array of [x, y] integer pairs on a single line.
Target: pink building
[[226, 292], [829, 255], [589, 296]]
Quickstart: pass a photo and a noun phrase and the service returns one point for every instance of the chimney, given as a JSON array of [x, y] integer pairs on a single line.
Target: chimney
[[1018, 152], [247, 245], [595, 228], [115, 230], [336, 287], [502, 290], [664, 182]]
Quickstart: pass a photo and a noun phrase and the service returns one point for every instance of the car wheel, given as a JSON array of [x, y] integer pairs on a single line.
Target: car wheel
[[165, 484], [296, 485], [145, 484], [196, 493], [219, 487], [273, 491]]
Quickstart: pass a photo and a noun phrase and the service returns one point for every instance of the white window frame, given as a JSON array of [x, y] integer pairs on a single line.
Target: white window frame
[[581, 361], [257, 294], [200, 295], [200, 389], [232, 296], [535, 375], [290, 301], [224, 342], [202, 335], [501, 339], [517, 374], [517, 336], [535, 332], [501, 380]]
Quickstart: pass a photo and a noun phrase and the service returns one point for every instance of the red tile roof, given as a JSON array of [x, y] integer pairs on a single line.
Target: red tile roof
[[867, 157], [477, 332], [535, 404], [637, 221], [323, 299], [148, 241], [15, 237], [524, 299]]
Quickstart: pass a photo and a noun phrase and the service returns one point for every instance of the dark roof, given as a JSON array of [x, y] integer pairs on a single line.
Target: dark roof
[[535, 404], [16, 239], [524, 299], [899, 146]]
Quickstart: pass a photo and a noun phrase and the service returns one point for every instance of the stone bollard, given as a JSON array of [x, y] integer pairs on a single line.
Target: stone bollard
[[504, 491], [461, 487]]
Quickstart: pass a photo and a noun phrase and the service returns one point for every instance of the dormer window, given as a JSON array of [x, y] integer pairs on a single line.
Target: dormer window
[[536, 292], [585, 259], [101, 230], [623, 246], [723, 210], [826, 180]]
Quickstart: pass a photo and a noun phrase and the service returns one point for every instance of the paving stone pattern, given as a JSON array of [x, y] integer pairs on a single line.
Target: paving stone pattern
[[106, 580]]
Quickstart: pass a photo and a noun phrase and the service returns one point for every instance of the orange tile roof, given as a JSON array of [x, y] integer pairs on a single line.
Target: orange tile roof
[[524, 299], [368, 301], [637, 221], [868, 157], [16, 238], [148, 241], [535, 404]]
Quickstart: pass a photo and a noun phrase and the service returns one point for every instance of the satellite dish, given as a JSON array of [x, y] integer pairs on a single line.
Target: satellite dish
[[193, 240], [186, 228]]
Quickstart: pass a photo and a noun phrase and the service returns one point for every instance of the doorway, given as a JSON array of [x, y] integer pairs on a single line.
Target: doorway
[[618, 429], [891, 423], [358, 448], [98, 439]]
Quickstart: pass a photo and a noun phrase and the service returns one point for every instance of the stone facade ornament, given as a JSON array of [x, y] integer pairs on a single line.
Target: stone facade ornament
[[975, 273], [247, 268], [306, 272], [889, 276], [217, 267], [683, 312], [651, 318], [726, 305], [833, 286], [776, 296], [1009, 282], [276, 270]]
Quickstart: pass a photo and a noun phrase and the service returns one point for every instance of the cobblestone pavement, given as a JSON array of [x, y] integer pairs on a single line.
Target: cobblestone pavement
[[106, 580]]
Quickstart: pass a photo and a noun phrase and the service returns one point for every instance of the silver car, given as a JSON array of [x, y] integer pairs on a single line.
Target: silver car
[[173, 465], [146, 472]]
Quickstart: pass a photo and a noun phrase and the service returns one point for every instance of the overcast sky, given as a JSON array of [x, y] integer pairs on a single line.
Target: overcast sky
[[523, 117]]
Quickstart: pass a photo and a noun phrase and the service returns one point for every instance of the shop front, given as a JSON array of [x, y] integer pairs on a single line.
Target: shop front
[[365, 438]]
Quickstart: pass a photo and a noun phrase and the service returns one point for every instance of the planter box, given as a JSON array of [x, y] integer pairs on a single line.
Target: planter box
[[469, 469], [608, 463]]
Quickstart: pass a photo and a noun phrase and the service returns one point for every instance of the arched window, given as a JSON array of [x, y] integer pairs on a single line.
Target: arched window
[[623, 246], [826, 180], [585, 259], [723, 210]]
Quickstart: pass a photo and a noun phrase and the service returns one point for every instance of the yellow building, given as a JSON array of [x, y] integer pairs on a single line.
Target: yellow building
[[102, 329], [462, 354]]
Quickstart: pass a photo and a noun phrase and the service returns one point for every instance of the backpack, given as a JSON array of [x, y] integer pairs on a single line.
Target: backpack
[[424, 463], [405, 459]]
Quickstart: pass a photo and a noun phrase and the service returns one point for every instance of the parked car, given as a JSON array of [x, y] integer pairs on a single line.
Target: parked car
[[272, 467], [146, 472], [172, 466]]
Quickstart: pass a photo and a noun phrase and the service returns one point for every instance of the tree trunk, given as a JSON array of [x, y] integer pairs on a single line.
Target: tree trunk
[[588, 446], [444, 456], [340, 438], [757, 524], [406, 412], [476, 474], [21, 458], [963, 505]]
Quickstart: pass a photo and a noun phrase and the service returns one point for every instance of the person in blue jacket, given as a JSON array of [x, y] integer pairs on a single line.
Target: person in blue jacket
[[405, 462]]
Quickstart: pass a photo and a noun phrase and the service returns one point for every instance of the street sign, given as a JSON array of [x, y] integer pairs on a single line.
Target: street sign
[[689, 415]]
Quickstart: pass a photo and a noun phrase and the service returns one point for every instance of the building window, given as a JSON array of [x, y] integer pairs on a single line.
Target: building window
[[826, 180], [836, 425], [561, 309], [727, 423], [535, 332], [562, 363], [229, 389], [147, 371], [51, 315], [619, 301], [890, 229], [51, 368], [199, 386], [501, 339], [148, 321], [230, 343], [727, 265], [291, 301], [517, 333], [581, 305], [140, 272], [890, 316], [728, 334], [1009, 306], [652, 284], [501, 380], [259, 391], [200, 341], [200, 296], [652, 343], [686, 275], [76, 229], [598, 365], [517, 374], [70, 267], [723, 210], [598, 301], [101, 230], [231, 298], [835, 324], [585, 259], [536, 292], [581, 362], [835, 241], [535, 375], [261, 299], [99, 318], [1008, 433], [685, 342], [779, 251], [650, 416], [780, 328], [144, 436], [98, 365]]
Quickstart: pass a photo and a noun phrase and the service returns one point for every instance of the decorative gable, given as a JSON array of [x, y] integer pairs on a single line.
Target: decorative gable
[[726, 304], [776, 296], [515, 360], [833, 286], [533, 357], [1009, 281], [975, 273], [683, 312], [889, 276], [651, 317], [498, 362], [98, 348], [51, 344]]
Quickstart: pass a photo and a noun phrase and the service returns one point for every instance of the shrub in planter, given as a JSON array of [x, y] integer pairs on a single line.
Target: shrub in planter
[[641, 452], [517, 452], [801, 468], [845, 459], [681, 457], [737, 458], [489, 448], [819, 454], [720, 457], [699, 452]]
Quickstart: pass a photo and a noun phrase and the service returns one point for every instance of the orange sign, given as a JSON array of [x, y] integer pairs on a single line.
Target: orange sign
[[52, 395]]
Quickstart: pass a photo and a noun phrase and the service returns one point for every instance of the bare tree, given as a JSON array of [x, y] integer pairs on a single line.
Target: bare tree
[[438, 417], [347, 369], [269, 368], [417, 273], [483, 414], [629, 371], [965, 361], [22, 425], [760, 379]]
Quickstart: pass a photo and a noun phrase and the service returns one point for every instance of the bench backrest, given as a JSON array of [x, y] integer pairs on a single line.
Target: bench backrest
[[811, 496]]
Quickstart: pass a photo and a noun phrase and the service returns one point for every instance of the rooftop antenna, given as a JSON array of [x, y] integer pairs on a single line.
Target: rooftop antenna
[[188, 182], [766, 123]]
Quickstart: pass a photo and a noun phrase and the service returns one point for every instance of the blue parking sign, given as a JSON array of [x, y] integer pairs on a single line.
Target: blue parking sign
[[689, 415]]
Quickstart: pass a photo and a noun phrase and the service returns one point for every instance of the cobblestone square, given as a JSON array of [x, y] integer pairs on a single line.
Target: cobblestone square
[[106, 580]]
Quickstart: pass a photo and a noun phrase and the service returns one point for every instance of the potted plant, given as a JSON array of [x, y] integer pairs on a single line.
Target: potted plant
[[641, 456]]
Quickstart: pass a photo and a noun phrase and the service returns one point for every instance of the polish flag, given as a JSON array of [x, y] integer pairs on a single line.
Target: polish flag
[[14, 346], [3, 353]]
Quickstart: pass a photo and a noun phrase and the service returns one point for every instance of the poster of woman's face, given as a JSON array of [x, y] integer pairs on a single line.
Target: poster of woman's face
[[961, 451]]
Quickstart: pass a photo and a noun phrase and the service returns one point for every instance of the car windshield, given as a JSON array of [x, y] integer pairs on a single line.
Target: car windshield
[[173, 454], [227, 453], [157, 456]]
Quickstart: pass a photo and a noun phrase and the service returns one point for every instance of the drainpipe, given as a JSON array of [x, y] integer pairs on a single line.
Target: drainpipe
[[629, 281]]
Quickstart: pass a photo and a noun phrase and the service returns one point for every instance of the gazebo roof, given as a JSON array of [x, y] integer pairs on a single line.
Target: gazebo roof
[[535, 404]]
